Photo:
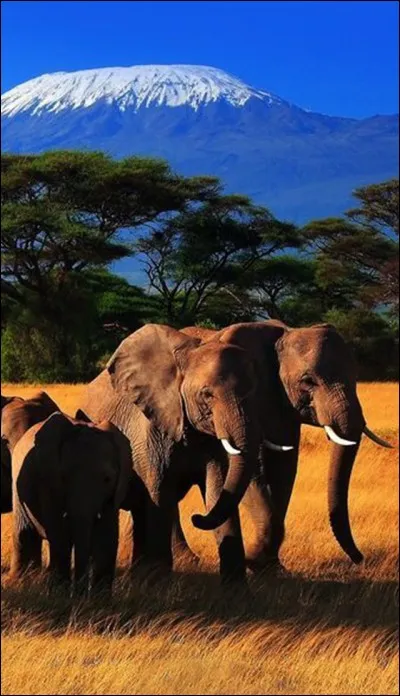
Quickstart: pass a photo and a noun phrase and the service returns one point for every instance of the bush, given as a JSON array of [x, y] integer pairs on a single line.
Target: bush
[[373, 339]]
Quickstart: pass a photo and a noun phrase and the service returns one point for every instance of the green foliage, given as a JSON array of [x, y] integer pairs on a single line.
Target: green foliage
[[362, 246], [206, 249], [63, 214], [211, 259], [379, 206], [373, 339], [34, 350]]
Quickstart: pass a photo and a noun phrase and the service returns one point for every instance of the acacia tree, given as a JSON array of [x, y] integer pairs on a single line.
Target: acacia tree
[[275, 280], [206, 248], [364, 243], [63, 212], [379, 207], [360, 252], [66, 213]]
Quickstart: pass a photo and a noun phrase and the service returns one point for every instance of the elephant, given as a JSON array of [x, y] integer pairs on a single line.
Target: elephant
[[17, 416], [6, 485], [69, 480], [190, 414], [308, 375]]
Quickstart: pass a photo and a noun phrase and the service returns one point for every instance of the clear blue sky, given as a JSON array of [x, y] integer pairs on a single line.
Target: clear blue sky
[[335, 57]]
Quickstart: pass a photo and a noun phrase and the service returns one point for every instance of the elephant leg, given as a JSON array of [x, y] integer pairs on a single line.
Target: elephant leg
[[152, 529], [138, 537], [27, 545], [159, 519], [60, 545], [104, 555], [280, 476], [259, 506], [228, 536], [137, 505], [180, 548], [267, 502]]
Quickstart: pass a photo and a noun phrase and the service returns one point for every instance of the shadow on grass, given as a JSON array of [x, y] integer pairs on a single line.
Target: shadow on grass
[[198, 598]]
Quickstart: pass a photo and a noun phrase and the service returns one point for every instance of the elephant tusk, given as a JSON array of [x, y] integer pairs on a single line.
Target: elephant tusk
[[375, 438], [277, 448], [228, 447], [335, 438], [65, 515], [99, 515]]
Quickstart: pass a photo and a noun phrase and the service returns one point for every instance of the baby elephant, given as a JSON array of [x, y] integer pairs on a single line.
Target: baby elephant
[[69, 480]]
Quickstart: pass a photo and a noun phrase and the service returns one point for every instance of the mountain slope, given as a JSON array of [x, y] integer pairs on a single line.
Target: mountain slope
[[205, 121]]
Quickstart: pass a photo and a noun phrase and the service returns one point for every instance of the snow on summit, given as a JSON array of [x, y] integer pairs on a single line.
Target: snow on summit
[[134, 87]]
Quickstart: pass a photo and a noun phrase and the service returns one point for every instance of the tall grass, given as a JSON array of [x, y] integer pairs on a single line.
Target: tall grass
[[326, 627]]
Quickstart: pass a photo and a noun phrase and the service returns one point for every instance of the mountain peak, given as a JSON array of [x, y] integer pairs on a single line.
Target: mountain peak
[[131, 87]]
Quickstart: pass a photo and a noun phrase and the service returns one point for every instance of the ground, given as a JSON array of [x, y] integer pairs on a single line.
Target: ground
[[329, 627]]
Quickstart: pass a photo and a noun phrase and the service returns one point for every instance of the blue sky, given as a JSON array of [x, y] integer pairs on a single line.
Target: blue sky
[[335, 57]]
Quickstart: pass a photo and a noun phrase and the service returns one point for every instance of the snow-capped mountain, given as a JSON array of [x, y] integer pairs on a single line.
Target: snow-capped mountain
[[205, 121], [131, 88]]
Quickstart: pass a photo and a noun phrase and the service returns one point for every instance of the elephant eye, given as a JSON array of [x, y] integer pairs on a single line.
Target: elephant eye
[[308, 381], [107, 479], [206, 393]]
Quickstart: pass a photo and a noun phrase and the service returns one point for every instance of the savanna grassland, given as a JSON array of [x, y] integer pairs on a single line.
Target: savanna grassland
[[328, 627]]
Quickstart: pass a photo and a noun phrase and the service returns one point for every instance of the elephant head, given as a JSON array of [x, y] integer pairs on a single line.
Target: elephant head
[[318, 373], [17, 416], [85, 469], [176, 382]]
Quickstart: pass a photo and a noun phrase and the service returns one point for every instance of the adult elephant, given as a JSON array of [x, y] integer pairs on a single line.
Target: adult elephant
[[191, 415], [17, 416], [311, 376], [69, 480]]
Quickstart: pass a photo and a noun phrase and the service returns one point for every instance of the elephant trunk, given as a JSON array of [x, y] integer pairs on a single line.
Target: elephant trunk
[[346, 425], [242, 449], [237, 481], [341, 465]]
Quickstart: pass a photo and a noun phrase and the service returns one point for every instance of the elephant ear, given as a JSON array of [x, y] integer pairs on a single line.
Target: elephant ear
[[145, 368], [124, 455], [82, 416], [324, 325], [41, 398], [5, 400], [258, 338]]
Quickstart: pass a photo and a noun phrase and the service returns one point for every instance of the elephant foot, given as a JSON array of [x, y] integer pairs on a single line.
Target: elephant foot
[[80, 589], [101, 591], [148, 573], [233, 597], [59, 588], [264, 564], [233, 576], [235, 587]]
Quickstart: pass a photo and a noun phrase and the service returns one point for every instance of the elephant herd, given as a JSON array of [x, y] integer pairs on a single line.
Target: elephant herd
[[175, 408]]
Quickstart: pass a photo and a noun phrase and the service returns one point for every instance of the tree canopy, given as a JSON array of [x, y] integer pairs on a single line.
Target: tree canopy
[[207, 257]]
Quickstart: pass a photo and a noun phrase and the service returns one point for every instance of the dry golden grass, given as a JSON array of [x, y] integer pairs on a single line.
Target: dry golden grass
[[327, 628]]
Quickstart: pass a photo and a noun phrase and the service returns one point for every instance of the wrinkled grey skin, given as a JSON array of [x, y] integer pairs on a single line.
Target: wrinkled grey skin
[[69, 480], [312, 375], [17, 416], [175, 400]]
